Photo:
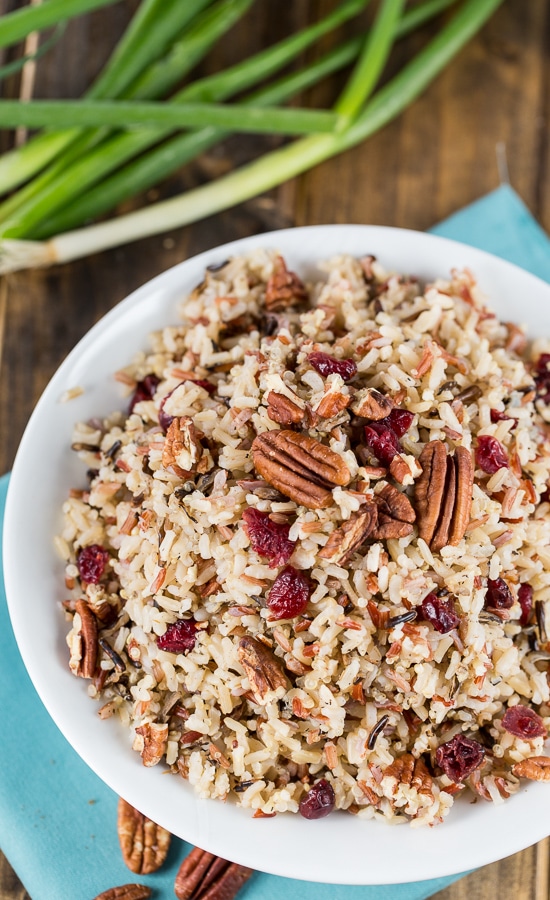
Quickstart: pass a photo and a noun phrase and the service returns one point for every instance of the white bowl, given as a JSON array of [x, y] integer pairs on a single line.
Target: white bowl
[[339, 849]]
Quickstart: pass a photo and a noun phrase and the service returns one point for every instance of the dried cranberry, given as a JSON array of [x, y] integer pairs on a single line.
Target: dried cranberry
[[289, 594], [319, 800], [399, 420], [382, 441], [207, 385], [490, 454], [145, 390], [91, 562], [179, 637], [440, 612], [499, 595], [498, 416], [523, 722], [459, 757], [268, 538], [329, 365], [525, 597], [542, 377]]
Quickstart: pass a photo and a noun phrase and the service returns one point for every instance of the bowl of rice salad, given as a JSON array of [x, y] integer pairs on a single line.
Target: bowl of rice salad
[[293, 551]]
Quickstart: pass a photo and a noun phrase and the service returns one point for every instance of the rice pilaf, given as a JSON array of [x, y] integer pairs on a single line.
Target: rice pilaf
[[311, 567]]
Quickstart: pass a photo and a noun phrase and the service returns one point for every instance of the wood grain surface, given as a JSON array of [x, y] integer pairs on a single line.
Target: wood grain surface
[[440, 155]]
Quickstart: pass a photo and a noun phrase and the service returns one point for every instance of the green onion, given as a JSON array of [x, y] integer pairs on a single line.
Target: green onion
[[25, 208], [144, 40], [268, 171], [160, 162], [70, 176], [371, 62], [86, 113], [17, 25], [17, 64]]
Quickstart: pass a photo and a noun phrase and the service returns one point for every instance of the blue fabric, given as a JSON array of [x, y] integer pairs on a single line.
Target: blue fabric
[[57, 819]]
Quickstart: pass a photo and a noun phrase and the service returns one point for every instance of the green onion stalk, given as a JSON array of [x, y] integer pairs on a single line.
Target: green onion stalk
[[150, 168], [275, 167]]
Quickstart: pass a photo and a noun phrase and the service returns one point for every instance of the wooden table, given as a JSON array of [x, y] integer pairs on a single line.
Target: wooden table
[[436, 158]]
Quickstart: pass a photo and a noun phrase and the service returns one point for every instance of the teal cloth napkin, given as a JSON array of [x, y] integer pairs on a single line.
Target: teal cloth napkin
[[57, 819]]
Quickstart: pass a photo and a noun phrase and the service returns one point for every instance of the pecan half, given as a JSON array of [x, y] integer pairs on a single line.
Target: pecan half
[[144, 844], [299, 467], [344, 541], [371, 404], [263, 670], [443, 494], [331, 404], [203, 876], [395, 514], [284, 288], [402, 768], [126, 892], [537, 768], [283, 410], [154, 737], [182, 448], [87, 664]]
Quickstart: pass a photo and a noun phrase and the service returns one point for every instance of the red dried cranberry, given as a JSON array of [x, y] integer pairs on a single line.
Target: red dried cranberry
[[329, 365], [399, 420], [498, 416], [382, 441], [289, 594], [542, 377], [440, 612], [179, 637], [319, 800], [490, 454], [145, 390], [91, 562], [525, 597], [499, 595], [268, 538], [207, 385], [459, 757], [523, 722]]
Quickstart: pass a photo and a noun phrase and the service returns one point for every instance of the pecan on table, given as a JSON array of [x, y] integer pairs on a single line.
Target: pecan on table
[[263, 670], [283, 410], [144, 844], [126, 892], [443, 494], [155, 737], [299, 467], [182, 448], [88, 637], [371, 404], [284, 288], [537, 768], [344, 541], [395, 514], [203, 876]]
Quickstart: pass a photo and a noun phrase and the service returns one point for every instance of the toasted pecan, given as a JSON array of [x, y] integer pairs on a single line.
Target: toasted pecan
[[126, 892], [155, 737], [203, 876], [371, 404], [264, 671], [536, 768], [88, 635], [395, 514], [143, 843], [284, 288], [443, 495], [332, 403], [345, 540], [299, 467], [182, 448], [283, 410]]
